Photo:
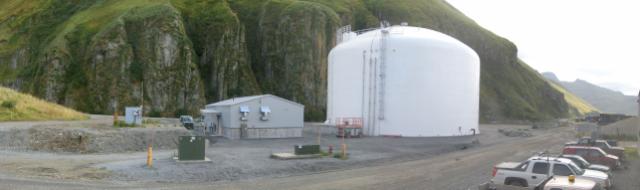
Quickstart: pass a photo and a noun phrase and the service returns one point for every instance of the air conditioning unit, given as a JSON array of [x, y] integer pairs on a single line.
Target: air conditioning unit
[[265, 111], [244, 111]]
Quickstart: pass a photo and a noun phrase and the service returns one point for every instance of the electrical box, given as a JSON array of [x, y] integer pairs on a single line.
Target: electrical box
[[306, 149], [191, 148]]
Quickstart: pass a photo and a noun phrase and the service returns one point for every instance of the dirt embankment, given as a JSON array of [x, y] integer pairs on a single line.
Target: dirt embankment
[[89, 138], [102, 141]]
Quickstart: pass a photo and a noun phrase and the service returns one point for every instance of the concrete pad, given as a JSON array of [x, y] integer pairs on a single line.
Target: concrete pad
[[290, 156], [192, 161]]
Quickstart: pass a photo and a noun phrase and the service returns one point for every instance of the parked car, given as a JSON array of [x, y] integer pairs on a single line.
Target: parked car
[[602, 144], [593, 155], [187, 121], [536, 169], [567, 182], [552, 183], [584, 164]]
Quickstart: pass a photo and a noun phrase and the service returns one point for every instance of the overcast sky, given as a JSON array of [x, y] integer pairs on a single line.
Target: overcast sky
[[594, 40]]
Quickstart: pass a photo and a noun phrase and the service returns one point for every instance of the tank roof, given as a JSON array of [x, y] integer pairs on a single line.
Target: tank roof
[[405, 31]]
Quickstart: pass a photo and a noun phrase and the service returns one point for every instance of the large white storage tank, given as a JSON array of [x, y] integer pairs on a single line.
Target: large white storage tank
[[404, 81]]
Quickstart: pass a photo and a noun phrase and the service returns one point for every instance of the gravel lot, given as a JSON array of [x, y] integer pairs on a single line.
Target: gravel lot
[[247, 159], [375, 163]]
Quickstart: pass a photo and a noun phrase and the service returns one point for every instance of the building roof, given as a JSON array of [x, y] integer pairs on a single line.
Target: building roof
[[238, 100]]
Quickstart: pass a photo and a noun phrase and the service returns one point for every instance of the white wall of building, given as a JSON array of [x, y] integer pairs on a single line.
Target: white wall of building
[[284, 113]]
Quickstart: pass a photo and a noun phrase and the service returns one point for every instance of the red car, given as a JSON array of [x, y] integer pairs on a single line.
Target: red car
[[594, 155], [602, 144]]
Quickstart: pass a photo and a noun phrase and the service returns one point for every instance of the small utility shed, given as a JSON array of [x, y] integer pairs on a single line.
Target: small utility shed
[[256, 117]]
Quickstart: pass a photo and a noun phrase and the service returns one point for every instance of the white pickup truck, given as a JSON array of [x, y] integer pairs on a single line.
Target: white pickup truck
[[535, 170], [552, 183]]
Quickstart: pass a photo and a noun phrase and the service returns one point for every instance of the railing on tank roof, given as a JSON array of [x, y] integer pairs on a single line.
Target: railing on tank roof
[[347, 29]]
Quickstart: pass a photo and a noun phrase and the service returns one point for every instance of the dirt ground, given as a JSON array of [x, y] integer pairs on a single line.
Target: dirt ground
[[374, 163], [628, 178]]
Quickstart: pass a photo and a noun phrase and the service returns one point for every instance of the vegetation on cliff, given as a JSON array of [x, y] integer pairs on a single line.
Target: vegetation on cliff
[[94, 54]]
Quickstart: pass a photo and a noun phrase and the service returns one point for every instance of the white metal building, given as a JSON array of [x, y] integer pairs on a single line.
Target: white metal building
[[252, 117], [404, 81]]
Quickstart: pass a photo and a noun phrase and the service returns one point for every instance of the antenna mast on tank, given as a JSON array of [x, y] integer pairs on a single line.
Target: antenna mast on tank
[[340, 33]]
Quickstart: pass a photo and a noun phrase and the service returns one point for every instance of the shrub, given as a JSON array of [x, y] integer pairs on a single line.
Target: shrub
[[154, 113], [9, 104], [150, 121], [622, 137], [631, 153], [122, 124], [181, 112], [338, 155]]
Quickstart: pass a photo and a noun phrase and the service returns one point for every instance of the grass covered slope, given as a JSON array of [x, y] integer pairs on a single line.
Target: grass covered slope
[[580, 107], [15, 106], [177, 55]]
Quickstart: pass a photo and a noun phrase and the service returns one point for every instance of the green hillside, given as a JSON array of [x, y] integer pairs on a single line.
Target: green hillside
[[580, 107], [94, 55], [15, 106]]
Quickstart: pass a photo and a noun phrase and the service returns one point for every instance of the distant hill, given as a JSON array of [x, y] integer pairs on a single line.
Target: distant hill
[[578, 106], [606, 100], [15, 106]]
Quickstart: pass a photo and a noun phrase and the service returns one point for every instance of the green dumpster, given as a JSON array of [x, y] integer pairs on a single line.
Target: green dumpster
[[306, 149], [191, 148]]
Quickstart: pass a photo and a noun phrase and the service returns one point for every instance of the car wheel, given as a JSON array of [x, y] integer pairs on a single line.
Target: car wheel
[[517, 183]]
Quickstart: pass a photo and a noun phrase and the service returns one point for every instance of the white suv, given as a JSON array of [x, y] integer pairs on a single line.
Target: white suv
[[566, 167]]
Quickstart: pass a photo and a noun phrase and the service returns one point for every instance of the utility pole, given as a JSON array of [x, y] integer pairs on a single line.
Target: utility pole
[[319, 130], [638, 125], [114, 95], [142, 100]]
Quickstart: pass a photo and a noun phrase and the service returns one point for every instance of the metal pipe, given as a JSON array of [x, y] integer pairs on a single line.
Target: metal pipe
[[364, 66], [375, 97]]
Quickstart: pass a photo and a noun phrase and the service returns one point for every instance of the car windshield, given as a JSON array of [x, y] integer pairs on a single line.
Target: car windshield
[[583, 161], [577, 169], [580, 162]]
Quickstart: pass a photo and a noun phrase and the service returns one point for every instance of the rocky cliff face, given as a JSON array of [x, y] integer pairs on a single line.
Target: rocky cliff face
[[95, 64], [92, 55]]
